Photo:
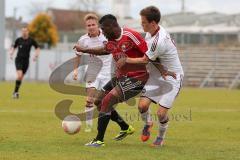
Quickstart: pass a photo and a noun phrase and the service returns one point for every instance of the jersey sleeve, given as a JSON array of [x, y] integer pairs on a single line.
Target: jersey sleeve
[[80, 42], [138, 41], [35, 44], [152, 55], [154, 49]]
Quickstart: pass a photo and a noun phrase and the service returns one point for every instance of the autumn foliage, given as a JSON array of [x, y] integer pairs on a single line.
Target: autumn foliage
[[43, 30]]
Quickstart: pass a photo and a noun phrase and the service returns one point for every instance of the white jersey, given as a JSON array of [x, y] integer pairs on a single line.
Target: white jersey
[[100, 65], [162, 46], [163, 92]]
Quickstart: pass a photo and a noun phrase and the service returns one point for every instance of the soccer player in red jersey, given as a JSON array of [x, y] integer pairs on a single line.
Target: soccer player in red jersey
[[130, 78]]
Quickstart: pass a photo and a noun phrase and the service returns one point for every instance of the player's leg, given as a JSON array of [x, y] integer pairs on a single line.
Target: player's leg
[[103, 90], [17, 84], [125, 128], [21, 67], [89, 108], [125, 84], [165, 102], [143, 107], [163, 125], [108, 102], [92, 84], [126, 88], [150, 94]]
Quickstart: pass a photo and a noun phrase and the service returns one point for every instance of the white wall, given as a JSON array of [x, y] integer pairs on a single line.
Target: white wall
[[47, 62]]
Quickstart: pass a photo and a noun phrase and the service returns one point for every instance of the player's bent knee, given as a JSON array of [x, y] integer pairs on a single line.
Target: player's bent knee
[[142, 108], [19, 77], [163, 118]]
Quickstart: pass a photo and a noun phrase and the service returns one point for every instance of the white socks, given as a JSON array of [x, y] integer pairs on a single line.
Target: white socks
[[89, 116], [146, 117], [162, 130]]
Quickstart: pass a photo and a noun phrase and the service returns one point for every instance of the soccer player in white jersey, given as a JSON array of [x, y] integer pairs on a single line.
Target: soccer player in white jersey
[[160, 47], [99, 67]]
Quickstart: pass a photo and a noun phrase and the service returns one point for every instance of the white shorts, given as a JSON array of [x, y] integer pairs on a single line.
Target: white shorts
[[97, 83], [97, 75], [162, 91]]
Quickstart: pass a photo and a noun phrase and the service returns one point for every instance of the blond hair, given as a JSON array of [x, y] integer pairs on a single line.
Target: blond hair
[[90, 16]]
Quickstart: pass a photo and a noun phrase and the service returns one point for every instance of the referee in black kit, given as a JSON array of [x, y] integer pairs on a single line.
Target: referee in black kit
[[24, 44]]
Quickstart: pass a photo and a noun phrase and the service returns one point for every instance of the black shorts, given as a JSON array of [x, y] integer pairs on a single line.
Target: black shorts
[[130, 86], [22, 64]]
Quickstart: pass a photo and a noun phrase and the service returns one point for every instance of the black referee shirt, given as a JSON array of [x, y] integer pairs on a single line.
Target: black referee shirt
[[24, 47]]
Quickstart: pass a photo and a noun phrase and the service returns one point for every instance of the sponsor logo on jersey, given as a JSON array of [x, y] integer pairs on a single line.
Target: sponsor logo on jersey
[[126, 45]]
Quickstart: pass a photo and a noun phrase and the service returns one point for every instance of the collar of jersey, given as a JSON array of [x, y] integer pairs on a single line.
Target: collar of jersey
[[158, 29], [100, 31], [120, 35]]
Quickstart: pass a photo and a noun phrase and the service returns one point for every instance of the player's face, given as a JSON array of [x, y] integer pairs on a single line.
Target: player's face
[[92, 27], [25, 32], [145, 24], [108, 31]]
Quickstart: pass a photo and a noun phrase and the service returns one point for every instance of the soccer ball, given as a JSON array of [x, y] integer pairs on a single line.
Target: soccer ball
[[71, 124]]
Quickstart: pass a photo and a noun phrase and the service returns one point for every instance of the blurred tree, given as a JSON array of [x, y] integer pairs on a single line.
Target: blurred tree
[[43, 30]]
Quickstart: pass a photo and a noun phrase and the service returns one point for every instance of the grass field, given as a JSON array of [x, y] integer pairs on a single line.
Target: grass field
[[205, 124]]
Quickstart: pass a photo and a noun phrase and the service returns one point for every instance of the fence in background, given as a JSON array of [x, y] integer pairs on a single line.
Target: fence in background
[[203, 67]]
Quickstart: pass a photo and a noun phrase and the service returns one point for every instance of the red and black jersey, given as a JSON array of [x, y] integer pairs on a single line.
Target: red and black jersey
[[129, 44]]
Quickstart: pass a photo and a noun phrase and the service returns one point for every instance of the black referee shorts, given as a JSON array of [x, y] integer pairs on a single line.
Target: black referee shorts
[[22, 64]]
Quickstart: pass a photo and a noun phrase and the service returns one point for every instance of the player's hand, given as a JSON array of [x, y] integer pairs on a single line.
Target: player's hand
[[35, 58], [168, 73], [164, 72], [11, 56], [77, 48], [121, 62]]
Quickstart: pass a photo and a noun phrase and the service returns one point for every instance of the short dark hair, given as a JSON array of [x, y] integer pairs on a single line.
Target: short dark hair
[[109, 17], [151, 13], [25, 26]]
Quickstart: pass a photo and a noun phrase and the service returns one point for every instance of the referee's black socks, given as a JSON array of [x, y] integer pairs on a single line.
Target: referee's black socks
[[17, 85]]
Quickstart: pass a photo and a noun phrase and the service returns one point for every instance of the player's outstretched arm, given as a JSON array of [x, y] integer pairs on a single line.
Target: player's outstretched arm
[[142, 60], [95, 51], [122, 61]]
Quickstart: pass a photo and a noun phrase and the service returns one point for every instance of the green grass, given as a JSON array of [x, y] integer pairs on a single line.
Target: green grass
[[205, 124]]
